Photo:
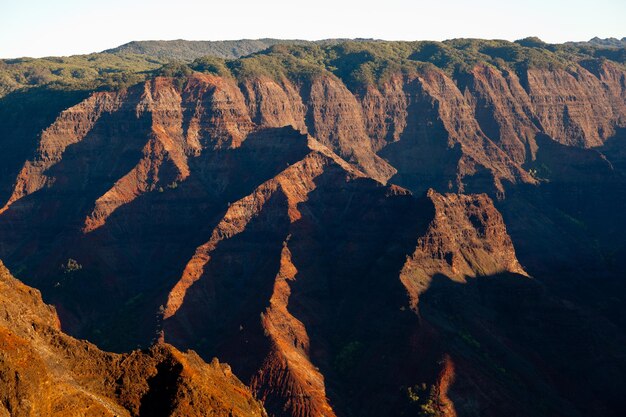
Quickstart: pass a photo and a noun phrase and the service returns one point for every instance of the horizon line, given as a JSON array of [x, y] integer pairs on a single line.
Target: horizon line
[[359, 38]]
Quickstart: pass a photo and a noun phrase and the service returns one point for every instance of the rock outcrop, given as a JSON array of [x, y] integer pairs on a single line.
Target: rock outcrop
[[45, 372], [467, 237]]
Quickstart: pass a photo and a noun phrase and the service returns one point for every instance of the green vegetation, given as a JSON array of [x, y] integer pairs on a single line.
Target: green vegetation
[[81, 72], [211, 65], [347, 357], [364, 63], [177, 70], [415, 392], [70, 266], [425, 400], [358, 63], [189, 50], [361, 63], [290, 61], [603, 43]]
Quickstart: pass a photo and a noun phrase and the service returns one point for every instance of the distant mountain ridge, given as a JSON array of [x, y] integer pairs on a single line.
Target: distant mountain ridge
[[187, 50], [603, 42]]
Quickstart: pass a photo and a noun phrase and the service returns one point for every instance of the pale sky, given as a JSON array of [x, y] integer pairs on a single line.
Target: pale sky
[[64, 27]]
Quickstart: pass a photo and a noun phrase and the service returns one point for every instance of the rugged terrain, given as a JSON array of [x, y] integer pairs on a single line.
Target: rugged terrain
[[45, 372], [357, 228]]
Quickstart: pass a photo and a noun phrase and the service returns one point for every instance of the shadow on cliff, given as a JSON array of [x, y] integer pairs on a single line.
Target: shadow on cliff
[[568, 230], [160, 399], [422, 155], [349, 248], [615, 150], [515, 346], [147, 241], [520, 351], [23, 116], [157, 234], [220, 313]]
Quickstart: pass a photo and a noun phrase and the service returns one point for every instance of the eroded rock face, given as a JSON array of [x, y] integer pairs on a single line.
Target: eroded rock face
[[467, 237], [71, 127], [45, 372], [257, 220], [503, 111], [432, 130], [312, 250], [574, 107], [478, 130]]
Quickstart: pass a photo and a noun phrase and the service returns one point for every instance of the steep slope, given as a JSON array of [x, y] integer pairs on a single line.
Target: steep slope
[[336, 120], [467, 237], [311, 251], [503, 111], [250, 213], [289, 188], [197, 159], [45, 372], [443, 145], [574, 107], [70, 127]]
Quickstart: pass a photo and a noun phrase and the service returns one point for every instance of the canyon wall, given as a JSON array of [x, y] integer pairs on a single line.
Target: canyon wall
[[428, 243]]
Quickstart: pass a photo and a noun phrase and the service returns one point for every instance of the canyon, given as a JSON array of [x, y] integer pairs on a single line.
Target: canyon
[[356, 228]]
